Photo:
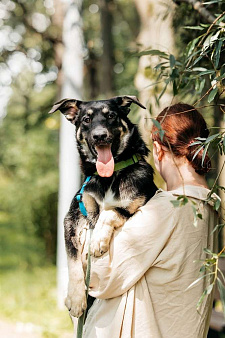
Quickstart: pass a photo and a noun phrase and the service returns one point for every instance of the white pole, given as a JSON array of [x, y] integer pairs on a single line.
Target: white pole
[[69, 171]]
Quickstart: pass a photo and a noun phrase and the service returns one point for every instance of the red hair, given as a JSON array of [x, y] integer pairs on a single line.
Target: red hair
[[182, 123]]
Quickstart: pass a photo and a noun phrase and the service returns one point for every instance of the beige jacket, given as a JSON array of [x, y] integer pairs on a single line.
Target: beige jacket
[[141, 283]]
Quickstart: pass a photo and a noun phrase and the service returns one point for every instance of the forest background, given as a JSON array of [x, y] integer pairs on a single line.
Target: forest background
[[161, 51]]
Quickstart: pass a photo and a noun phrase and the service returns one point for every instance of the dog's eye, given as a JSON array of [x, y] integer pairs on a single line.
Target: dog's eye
[[111, 115], [87, 119]]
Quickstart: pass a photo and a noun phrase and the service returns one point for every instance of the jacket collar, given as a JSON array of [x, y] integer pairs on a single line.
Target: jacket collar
[[194, 191]]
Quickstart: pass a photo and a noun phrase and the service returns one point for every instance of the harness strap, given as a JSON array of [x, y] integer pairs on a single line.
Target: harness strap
[[79, 197], [81, 320]]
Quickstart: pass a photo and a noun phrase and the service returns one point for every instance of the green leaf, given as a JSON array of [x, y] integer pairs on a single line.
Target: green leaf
[[174, 74], [221, 77], [202, 298], [212, 94], [212, 2], [196, 153], [184, 200], [180, 201], [222, 293], [172, 61], [209, 41], [156, 123], [217, 204], [211, 138], [163, 91], [209, 252], [159, 65], [218, 227], [202, 85], [198, 59], [200, 138], [194, 27], [209, 289], [175, 203], [191, 46], [221, 272], [195, 143], [175, 90], [202, 269], [206, 72], [198, 279], [161, 134], [200, 69], [216, 55], [204, 153], [153, 52]]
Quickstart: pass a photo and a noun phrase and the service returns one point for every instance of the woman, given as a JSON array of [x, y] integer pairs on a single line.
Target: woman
[[141, 284]]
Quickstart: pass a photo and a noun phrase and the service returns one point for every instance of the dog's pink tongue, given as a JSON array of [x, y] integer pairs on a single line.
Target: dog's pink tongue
[[105, 161]]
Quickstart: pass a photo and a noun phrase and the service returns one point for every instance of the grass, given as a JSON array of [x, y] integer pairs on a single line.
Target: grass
[[28, 284], [30, 297]]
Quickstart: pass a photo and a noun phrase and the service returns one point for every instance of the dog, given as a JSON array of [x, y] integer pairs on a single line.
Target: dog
[[112, 155]]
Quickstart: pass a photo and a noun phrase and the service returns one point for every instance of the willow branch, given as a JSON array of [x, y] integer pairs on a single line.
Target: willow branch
[[198, 6]]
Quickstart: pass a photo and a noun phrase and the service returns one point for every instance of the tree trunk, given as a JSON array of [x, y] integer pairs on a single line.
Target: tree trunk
[[57, 21], [221, 182], [156, 33], [69, 171], [107, 59]]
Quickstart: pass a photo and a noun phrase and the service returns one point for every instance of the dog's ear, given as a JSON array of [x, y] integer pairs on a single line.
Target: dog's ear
[[127, 100], [69, 108]]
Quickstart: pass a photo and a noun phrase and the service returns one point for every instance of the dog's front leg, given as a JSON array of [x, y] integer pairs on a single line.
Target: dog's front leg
[[76, 296], [108, 220]]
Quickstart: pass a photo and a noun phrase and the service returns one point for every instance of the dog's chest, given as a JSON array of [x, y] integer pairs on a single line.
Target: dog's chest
[[110, 201]]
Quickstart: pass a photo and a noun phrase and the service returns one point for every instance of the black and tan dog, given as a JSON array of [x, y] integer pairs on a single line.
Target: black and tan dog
[[109, 143]]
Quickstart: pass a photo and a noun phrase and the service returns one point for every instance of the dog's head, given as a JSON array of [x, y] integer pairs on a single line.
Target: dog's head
[[102, 128]]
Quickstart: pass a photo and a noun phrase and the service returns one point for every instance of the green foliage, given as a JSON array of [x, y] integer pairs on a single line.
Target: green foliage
[[199, 62], [30, 21], [29, 172], [125, 28], [211, 272], [29, 138], [159, 128], [183, 200], [30, 297], [216, 141]]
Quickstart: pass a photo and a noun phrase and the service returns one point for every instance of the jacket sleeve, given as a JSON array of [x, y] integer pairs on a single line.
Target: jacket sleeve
[[133, 249]]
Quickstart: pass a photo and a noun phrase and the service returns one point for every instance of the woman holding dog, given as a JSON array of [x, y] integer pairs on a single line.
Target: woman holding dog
[[142, 282]]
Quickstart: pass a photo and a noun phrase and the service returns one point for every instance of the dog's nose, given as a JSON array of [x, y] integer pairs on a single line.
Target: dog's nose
[[100, 135]]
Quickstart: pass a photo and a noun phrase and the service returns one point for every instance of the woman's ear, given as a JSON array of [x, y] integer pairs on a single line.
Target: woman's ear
[[159, 150]]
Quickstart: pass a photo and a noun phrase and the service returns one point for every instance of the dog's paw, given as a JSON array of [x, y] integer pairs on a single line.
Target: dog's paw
[[76, 303], [99, 246]]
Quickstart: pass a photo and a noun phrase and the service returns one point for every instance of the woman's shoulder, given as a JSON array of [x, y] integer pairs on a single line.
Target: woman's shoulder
[[189, 191], [167, 200], [162, 196], [160, 202], [181, 200]]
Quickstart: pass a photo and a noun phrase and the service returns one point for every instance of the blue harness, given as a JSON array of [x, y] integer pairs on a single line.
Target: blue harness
[[79, 197], [118, 166]]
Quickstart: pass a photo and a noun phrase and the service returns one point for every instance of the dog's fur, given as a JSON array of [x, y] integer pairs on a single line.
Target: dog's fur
[[109, 201]]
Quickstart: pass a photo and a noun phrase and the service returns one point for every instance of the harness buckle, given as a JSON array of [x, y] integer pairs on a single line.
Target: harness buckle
[[79, 197]]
